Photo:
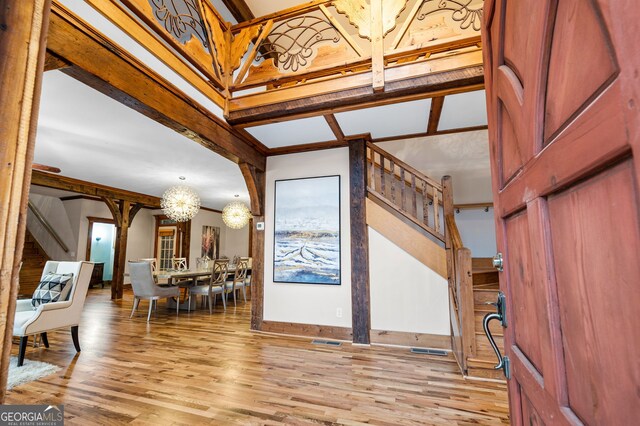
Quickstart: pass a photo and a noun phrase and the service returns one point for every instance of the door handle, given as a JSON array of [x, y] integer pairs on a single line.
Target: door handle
[[499, 315]]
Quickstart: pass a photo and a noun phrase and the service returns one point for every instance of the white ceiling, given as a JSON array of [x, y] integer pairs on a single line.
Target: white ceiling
[[294, 132], [265, 7], [389, 120], [463, 110], [97, 139], [463, 156]]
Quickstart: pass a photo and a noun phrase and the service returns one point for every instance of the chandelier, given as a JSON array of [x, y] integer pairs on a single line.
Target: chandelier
[[180, 203], [236, 215]]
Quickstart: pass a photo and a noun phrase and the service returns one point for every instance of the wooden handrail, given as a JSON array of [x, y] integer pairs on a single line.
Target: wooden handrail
[[47, 226], [404, 196], [452, 228], [405, 166]]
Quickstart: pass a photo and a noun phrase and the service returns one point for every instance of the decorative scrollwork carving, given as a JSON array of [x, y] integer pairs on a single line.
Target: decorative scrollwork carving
[[291, 41], [181, 19], [467, 16]]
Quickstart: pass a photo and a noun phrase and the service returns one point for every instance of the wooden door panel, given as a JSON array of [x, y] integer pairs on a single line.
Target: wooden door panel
[[563, 87], [529, 413], [568, 157], [581, 65], [510, 152], [526, 316], [598, 297], [519, 36]]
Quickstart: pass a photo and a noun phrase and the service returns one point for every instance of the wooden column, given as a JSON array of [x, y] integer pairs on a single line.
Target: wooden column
[[360, 301], [123, 213], [23, 30], [256, 184]]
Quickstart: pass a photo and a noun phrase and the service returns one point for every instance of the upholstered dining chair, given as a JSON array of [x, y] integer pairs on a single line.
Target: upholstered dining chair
[[145, 288], [215, 286], [152, 260], [53, 315], [239, 280]]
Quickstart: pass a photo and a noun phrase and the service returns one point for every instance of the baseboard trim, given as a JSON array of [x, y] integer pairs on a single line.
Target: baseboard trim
[[307, 330], [411, 340]]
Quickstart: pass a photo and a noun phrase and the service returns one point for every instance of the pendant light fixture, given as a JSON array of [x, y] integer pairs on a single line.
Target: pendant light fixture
[[180, 203], [236, 215]]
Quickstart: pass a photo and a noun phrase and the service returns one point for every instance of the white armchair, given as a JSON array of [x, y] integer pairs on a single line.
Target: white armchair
[[54, 315]]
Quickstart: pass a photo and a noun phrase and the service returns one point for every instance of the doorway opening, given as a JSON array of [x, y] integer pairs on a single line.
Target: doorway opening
[[101, 249]]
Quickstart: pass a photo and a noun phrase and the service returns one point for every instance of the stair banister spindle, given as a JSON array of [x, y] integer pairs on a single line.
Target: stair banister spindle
[[403, 186], [392, 173], [414, 206], [383, 186]]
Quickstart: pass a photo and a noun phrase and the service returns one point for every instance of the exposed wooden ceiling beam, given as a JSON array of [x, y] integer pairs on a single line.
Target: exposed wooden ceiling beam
[[323, 101], [335, 126], [93, 189], [53, 62], [109, 69], [425, 134], [434, 115], [239, 9]]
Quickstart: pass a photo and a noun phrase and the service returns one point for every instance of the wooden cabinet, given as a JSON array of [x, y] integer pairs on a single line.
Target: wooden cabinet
[[96, 275]]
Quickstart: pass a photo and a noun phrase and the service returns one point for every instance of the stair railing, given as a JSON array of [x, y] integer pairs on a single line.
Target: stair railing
[[429, 204], [410, 192], [459, 271], [47, 226]]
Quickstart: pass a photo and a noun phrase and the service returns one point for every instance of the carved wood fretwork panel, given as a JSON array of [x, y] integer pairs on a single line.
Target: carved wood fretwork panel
[[181, 19]]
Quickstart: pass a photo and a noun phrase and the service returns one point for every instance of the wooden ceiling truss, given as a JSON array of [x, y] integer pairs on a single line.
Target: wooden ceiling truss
[[314, 59]]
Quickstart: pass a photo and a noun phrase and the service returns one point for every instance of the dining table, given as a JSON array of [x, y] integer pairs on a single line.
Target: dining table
[[185, 279]]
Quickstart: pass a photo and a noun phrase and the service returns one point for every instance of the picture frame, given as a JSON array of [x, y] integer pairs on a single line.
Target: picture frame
[[307, 231]]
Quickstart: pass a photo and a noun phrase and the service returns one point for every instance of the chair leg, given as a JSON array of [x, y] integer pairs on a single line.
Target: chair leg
[[210, 304], [23, 348], [45, 341], [234, 296], [177, 305], [244, 294], [136, 301], [150, 309], [223, 295], [74, 337]]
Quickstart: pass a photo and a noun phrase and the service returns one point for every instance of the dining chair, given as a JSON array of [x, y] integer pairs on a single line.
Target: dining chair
[[249, 274], [152, 260], [239, 281], [179, 263], [145, 288], [215, 286]]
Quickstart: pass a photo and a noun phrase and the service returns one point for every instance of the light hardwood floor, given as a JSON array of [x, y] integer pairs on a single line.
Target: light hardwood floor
[[210, 369]]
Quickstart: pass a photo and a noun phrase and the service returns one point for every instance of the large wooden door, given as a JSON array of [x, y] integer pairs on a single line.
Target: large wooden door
[[563, 85]]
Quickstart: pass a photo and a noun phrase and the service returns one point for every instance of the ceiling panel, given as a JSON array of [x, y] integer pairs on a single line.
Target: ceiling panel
[[294, 132], [97, 139], [463, 110], [389, 120], [262, 7]]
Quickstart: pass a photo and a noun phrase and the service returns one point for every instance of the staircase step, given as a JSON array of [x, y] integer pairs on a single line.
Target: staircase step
[[483, 369], [482, 296], [484, 276], [494, 326], [483, 347]]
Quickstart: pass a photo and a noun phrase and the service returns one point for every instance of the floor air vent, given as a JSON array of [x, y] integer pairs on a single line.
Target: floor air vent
[[325, 342], [424, 351]]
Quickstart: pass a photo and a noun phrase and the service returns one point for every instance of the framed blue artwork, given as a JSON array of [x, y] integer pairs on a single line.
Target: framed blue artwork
[[307, 231]]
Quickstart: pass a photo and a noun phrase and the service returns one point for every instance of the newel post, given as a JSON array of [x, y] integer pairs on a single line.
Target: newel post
[[448, 212], [360, 300]]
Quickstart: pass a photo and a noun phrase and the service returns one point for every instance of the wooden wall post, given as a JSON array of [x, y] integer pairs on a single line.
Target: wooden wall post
[[256, 184], [123, 212], [23, 30], [360, 301], [448, 210]]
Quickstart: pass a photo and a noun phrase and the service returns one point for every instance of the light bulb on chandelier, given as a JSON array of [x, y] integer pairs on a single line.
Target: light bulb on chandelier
[[180, 203], [236, 215]]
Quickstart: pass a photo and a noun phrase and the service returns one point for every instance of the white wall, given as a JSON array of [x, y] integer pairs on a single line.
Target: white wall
[[478, 231], [141, 232], [308, 303], [405, 294], [233, 242], [52, 209]]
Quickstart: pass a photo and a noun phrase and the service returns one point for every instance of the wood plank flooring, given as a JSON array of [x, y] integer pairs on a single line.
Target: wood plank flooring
[[211, 369]]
